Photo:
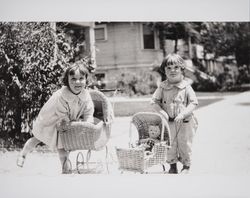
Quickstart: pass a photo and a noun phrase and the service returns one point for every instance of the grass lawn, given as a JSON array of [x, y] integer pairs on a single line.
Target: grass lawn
[[130, 108], [219, 94]]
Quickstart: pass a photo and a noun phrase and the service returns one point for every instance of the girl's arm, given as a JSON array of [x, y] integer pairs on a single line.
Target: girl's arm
[[62, 110], [192, 104], [156, 103], [89, 110], [159, 110]]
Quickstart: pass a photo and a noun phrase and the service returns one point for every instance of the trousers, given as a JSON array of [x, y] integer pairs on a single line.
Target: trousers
[[182, 135]]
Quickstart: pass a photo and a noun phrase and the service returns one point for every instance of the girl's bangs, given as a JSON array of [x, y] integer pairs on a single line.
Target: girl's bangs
[[72, 71], [174, 61], [82, 70]]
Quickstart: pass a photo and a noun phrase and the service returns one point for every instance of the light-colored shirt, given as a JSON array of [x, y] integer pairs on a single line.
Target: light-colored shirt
[[63, 104], [174, 98]]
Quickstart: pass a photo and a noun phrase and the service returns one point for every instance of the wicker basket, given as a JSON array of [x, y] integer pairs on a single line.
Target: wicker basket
[[88, 136], [136, 159]]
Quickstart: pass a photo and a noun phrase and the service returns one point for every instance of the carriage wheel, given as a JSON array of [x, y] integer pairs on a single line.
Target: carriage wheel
[[88, 158], [106, 159], [79, 162], [67, 167], [163, 167]]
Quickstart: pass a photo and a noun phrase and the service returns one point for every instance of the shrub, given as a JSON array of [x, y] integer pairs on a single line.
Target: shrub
[[30, 72], [142, 83]]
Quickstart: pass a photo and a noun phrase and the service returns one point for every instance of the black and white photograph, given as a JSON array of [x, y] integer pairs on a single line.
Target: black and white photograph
[[125, 101]]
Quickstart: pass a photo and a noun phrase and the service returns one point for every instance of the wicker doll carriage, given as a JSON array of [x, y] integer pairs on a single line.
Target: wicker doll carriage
[[134, 158], [87, 136]]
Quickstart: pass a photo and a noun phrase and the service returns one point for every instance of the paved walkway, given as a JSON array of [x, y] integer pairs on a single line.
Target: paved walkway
[[221, 164], [222, 141]]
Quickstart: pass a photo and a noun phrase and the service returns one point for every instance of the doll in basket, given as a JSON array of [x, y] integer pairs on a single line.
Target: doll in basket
[[154, 137], [70, 103]]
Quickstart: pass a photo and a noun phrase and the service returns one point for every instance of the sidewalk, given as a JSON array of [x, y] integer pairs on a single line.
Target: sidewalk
[[221, 164], [222, 142]]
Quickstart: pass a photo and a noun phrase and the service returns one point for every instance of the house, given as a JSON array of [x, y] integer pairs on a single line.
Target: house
[[133, 47], [125, 47], [81, 33]]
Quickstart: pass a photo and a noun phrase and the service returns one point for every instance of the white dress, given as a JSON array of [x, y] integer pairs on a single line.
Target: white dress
[[63, 104]]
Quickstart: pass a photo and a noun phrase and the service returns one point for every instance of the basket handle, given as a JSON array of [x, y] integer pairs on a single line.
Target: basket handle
[[130, 135], [162, 130], [163, 127]]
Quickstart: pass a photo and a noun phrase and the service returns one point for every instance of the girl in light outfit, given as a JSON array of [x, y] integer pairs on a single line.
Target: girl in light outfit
[[175, 100], [70, 103]]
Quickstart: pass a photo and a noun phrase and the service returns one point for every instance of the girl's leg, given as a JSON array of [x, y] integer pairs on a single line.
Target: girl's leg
[[64, 159], [185, 140], [28, 147], [172, 155]]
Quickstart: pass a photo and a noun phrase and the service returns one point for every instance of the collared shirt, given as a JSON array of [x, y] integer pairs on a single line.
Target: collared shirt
[[174, 98]]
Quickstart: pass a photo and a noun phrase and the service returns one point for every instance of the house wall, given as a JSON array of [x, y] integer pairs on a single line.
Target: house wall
[[123, 48]]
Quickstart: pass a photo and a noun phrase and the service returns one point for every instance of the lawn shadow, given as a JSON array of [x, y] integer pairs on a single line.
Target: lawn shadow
[[244, 103], [206, 102]]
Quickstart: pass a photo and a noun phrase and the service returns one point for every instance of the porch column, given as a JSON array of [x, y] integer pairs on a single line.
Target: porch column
[[91, 42], [53, 27]]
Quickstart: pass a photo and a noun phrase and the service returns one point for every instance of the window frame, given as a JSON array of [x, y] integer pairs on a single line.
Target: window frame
[[156, 43], [102, 26]]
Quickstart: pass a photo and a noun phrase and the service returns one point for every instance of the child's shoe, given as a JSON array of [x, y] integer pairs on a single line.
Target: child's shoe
[[20, 161], [173, 169], [185, 169]]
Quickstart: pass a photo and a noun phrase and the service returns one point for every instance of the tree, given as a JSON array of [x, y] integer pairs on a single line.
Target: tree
[[227, 38], [175, 31], [30, 71], [27, 73]]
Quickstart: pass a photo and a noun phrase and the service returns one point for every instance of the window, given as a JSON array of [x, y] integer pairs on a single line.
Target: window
[[148, 37], [101, 32]]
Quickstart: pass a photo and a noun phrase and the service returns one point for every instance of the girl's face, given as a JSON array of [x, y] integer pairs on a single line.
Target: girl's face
[[77, 82], [173, 73]]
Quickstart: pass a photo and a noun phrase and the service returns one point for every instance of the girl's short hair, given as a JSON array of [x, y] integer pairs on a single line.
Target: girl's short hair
[[79, 65], [173, 59]]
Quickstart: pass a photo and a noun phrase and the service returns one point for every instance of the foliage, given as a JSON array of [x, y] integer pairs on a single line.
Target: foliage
[[202, 84], [219, 38], [229, 38], [26, 74], [244, 75], [33, 56], [175, 31], [143, 83]]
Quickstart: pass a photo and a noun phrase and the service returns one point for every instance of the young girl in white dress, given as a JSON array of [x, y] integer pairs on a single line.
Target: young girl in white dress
[[70, 103]]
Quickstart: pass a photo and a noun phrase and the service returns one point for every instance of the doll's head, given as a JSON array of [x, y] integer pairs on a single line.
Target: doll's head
[[154, 131], [173, 66], [75, 77]]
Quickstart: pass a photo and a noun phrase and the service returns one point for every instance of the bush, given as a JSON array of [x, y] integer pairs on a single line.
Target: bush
[[30, 72], [142, 83], [202, 84]]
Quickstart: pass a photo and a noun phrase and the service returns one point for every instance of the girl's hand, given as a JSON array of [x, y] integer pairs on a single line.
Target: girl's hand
[[179, 118]]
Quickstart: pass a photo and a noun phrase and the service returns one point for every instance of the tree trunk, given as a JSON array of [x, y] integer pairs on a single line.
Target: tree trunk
[[176, 45], [190, 54], [17, 117], [162, 41]]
